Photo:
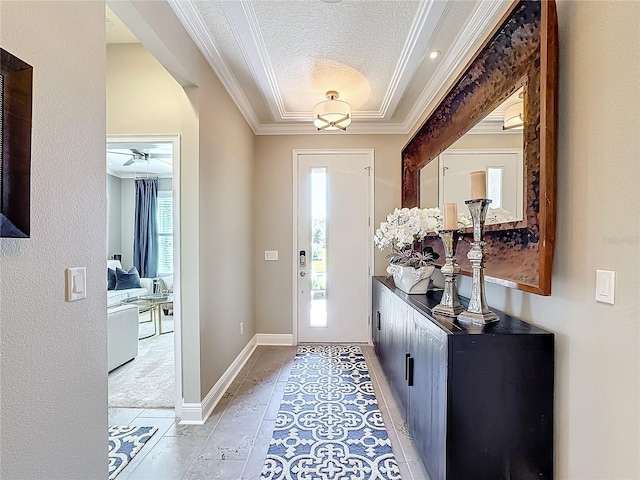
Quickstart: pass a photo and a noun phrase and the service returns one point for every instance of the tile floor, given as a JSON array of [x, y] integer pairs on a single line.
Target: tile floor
[[233, 442]]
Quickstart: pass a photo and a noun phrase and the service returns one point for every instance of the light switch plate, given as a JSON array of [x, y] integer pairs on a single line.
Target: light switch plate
[[605, 286], [271, 255], [76, 283]]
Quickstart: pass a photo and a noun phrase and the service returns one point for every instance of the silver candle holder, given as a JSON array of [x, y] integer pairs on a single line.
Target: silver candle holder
[[450, 302], [478, 311]]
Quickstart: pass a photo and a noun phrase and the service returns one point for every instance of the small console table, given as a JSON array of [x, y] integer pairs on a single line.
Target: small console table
[[152, 302], [477, 400]]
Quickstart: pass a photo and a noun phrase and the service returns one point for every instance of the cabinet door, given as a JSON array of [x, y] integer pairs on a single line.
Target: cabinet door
[[427, 395], [376, 314], [384, 333], [399, 352]]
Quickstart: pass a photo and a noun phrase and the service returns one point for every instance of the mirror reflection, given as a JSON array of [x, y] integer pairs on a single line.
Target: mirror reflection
[[495, 145]]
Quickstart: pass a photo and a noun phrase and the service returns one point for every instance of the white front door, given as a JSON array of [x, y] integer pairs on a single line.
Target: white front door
[[334, 241]]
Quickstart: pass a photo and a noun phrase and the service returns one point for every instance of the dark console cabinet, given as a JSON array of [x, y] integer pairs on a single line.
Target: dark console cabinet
[[477, 400]]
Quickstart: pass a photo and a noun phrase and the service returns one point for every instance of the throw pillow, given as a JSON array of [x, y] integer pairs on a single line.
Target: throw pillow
[[130, 279], [111, 279], [165, 284]]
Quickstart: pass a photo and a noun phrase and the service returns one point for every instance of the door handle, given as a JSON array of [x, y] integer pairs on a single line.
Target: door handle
[[406, 366], [410, 371], [302, 274]]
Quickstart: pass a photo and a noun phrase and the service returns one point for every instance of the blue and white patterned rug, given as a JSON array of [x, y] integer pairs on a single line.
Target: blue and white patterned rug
[[124, 443], [329, 426]]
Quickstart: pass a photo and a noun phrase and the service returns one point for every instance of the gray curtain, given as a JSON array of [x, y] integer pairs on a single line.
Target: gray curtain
[[145, 241]]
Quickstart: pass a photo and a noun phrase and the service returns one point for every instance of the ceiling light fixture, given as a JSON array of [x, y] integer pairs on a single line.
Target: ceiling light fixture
[[434, 54], [332, 114], [514, 114]]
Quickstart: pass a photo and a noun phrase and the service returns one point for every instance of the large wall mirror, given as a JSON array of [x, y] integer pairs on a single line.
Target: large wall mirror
[[500, 116], [494, 145]]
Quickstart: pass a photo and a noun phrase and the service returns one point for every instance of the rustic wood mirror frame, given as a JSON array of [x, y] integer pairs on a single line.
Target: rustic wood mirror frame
[[522, 50]]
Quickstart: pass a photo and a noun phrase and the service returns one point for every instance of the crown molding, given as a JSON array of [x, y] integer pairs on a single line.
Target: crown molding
[[485, 15], [489, 125], [195, 27], [353, 129], [245, 28], [418, 42]]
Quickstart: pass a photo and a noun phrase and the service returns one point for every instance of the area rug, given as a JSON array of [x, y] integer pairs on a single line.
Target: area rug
[[148, 381], [124, 443], [329, 425]]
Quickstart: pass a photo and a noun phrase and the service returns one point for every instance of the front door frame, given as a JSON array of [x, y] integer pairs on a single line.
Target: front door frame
[[296, 153]]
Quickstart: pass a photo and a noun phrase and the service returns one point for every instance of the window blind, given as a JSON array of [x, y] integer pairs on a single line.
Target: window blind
[[165, 233]]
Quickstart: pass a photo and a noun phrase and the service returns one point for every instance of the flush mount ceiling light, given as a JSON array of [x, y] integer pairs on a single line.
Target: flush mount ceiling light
[[434, 54], [514, 114], [332, 114]]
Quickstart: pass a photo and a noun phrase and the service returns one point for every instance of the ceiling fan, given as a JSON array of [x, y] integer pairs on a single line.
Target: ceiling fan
[[138, 156]]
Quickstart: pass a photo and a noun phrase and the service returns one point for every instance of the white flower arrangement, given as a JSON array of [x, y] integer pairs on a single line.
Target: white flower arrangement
[[406, 225]]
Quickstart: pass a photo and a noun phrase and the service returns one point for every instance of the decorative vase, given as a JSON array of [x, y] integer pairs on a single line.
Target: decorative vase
[[411, 280]]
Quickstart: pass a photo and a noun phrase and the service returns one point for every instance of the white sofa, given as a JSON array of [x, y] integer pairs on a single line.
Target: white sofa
[[122, 337], [123, 321], [116, 297]]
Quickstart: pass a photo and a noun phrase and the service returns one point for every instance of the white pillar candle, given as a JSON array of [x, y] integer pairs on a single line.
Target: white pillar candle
[[450, 216], [478, 184]]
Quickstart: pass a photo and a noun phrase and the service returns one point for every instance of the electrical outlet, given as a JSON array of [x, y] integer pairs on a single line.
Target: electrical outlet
[[241, 328]]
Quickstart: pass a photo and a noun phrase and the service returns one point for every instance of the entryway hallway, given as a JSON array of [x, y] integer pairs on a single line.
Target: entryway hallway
[[233, 443]]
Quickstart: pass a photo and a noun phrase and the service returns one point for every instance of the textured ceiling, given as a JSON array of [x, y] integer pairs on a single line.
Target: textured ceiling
[[277, 58]]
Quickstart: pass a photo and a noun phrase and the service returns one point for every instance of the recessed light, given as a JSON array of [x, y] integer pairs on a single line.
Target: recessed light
[[331, 1], [434, 54]]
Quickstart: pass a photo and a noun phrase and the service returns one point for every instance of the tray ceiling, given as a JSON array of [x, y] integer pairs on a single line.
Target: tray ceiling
[[278, 58]]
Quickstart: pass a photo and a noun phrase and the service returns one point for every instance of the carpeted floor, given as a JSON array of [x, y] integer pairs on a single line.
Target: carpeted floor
[[329, 424], [148, 381]]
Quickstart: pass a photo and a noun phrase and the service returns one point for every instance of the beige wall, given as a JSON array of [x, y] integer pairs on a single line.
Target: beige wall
[[273, 213], [53, 377], [597, 424], [142, 97], [216, 183]]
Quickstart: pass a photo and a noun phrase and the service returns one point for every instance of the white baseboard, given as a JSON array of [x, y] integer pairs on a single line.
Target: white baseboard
[[280, 339], [197, 413], [192, 414]]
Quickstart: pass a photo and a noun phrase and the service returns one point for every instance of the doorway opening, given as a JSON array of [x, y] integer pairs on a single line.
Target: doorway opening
[[153, 377]]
